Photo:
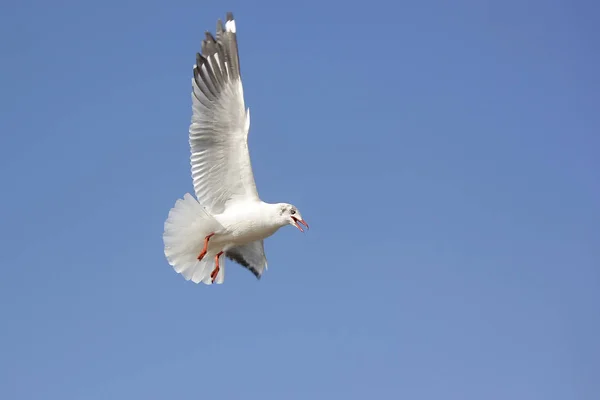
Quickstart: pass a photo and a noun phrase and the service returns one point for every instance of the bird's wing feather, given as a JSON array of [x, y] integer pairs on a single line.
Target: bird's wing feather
[[221, 168], [250, 256]]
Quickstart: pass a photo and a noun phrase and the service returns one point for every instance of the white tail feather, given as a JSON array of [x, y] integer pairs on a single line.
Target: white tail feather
[[185, 229]]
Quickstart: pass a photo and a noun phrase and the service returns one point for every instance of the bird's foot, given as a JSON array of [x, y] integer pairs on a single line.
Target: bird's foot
[[205, 248], [213, 275]]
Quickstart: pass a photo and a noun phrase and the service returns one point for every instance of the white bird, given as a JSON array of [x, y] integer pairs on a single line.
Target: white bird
[[228, 218]]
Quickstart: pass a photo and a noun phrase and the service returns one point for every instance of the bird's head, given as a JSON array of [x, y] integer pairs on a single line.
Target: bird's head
[[290, 215]]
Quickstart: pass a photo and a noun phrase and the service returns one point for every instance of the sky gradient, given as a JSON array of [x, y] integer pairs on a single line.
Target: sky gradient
[[445, 155]]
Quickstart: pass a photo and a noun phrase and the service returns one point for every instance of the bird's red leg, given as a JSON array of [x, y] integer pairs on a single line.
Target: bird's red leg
[[213, 275], [205, 248]]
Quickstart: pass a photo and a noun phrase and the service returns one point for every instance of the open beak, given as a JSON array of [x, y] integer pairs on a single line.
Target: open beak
[[303, 222]]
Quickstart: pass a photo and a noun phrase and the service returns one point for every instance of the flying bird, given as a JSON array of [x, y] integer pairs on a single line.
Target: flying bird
[[228, 219]]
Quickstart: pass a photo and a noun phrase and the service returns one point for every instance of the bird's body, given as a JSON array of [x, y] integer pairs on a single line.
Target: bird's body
[[228, 219], [249, 221]]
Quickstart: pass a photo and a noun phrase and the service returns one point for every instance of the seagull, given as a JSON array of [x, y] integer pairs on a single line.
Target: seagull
[[227, 219]]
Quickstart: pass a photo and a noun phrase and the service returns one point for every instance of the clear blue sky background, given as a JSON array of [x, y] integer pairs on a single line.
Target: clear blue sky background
[[444, 153]]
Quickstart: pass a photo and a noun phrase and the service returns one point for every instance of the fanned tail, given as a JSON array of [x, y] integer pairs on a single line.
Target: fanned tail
[[186, 227]]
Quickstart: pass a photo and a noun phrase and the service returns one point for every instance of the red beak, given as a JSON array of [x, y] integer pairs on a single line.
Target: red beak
[[303, 222]]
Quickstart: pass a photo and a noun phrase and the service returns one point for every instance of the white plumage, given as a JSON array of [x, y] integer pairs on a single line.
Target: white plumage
[[228, 218]]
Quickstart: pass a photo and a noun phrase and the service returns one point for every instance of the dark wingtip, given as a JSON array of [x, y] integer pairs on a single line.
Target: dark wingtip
[[229, 16], [237, 257], [209, 37]]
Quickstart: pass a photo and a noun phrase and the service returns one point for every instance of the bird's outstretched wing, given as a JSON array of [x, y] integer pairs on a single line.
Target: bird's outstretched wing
[[250, 256], [220, 161]]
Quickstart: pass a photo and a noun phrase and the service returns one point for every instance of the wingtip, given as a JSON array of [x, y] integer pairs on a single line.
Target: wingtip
[[230, 24], [209, 37]]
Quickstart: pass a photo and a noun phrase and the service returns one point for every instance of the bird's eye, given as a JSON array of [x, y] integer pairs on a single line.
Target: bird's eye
[[293, 212]]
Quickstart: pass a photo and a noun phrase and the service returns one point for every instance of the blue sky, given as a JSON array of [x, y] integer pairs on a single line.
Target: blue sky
[[444, 153]]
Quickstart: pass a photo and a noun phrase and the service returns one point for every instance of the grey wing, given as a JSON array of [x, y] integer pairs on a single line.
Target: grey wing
[[250, 256], [218, 134]]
